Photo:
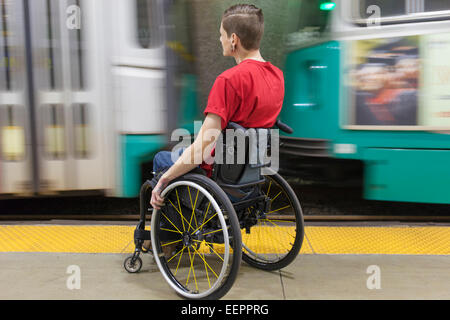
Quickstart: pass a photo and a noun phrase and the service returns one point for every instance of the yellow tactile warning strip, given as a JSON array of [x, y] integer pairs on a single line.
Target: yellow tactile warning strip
[[269, 239], [380, 240], [318, 240], [82, 239]]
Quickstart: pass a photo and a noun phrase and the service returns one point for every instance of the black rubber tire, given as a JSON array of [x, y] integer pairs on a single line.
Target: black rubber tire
[[298, 237], [135, 268], [235, 234]]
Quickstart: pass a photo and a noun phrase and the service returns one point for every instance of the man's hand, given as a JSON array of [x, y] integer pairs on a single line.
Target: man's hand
[[157, 201]]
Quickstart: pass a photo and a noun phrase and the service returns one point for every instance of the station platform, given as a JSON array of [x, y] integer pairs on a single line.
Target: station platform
[[351, 261]]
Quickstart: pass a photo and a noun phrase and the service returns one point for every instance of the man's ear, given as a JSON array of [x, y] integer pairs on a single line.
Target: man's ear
[[234, 38]]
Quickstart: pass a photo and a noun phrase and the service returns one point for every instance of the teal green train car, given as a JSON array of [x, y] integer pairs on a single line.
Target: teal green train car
[[88, 97], [368, 97]]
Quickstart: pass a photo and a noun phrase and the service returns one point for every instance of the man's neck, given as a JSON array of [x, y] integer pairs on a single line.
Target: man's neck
[[245, 55]]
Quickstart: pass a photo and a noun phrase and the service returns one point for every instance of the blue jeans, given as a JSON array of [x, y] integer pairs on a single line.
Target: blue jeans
[[163, 159]]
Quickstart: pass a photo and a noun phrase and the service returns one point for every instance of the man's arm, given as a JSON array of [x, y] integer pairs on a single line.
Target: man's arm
[[191, 157]]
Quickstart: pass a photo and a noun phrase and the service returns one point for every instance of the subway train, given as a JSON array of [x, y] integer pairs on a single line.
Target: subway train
[[90, 90], [82, 95], [367, 94]]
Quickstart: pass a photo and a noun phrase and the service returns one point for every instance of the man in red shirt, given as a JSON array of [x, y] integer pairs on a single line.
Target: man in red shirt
[[250, 94]]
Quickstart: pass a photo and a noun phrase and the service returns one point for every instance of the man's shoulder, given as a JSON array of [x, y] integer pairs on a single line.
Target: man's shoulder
[[234, 72], [249, 68]]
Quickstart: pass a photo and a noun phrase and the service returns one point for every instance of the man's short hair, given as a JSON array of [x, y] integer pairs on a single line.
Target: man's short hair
[[247, 22]]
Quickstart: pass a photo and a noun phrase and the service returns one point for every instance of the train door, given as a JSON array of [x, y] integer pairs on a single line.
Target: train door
[[65, 134], [15, 132], [69, 77]]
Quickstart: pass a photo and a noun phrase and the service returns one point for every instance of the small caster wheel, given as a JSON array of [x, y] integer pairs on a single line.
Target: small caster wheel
[[133, 268]]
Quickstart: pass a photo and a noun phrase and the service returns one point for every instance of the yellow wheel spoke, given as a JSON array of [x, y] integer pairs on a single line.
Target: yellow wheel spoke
[[206, 270], [193, 271], [204, 223], [192, 268], [166, 244], [179, 259], [193, 208], [279, 209], [207, 209], [179, 208], [171, 222], [178, 200], [275, 196], [212, 231], [212, 249], [169, 230], [176, 255], [182, 217], [206, 263], [268, 190], [174, 206]]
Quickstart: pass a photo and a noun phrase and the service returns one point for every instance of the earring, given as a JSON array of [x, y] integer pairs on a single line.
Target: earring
[[233, 48]]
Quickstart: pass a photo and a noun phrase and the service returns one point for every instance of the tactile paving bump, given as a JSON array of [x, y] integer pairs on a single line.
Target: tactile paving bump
[[77, 239], [380, 240], [318, 240]]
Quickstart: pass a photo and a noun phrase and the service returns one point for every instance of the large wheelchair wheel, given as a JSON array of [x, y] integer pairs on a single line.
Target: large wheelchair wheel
[[276, 237], [199, 222]]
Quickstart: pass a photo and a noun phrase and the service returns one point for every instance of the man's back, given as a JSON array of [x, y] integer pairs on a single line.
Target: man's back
[[250, 94]]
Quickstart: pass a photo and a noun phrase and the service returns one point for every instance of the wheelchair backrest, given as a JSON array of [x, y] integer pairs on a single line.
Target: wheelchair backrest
[[240, 154]]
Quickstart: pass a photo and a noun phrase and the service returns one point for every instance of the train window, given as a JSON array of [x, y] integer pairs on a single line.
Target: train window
[[436, 5], [149, 23], [387, 8], [12, 133], [10, 60], [306, 21], [400, 11], [180, 37], [77, 51], [48, 51], [5, 50], [54, 131], [82, 141]]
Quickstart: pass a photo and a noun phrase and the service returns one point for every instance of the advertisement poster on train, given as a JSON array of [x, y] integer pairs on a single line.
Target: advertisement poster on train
[[384, 80], [434, 98]]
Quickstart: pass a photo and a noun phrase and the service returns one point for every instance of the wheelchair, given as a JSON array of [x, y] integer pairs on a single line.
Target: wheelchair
[[210, 224]]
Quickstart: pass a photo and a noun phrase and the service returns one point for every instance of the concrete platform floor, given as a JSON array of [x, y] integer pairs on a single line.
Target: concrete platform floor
[[311, 276]]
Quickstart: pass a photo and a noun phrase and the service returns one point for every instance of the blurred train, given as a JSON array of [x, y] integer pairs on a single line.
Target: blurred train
[[368, 96], [82, 94], [89, 91]]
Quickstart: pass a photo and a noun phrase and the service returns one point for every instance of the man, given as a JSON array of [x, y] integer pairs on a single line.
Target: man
[[250, 94]]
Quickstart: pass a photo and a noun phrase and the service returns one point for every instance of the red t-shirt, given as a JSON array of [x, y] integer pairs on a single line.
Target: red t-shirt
[[250, 94]]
